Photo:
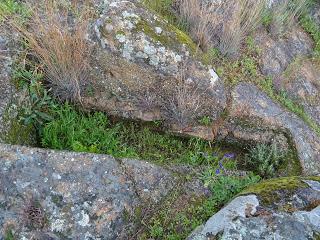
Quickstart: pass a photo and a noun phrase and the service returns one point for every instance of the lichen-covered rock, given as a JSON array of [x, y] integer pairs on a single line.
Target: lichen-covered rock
[[140, 64], [7, 90], [247, 217], [74, 195], [277, 54], [301, 81], [251, 104]]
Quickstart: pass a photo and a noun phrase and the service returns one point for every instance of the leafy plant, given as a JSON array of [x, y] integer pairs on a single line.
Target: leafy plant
[[226, 187], [249, 67], [38, 103], [206, 121], [265, 159]]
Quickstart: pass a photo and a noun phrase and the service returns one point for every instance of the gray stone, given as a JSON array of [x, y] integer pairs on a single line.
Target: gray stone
[[247, 217], [82, 195], [277, 54], [239, 207], [7, 90], [137, 69], [276, 226], [313, 184]]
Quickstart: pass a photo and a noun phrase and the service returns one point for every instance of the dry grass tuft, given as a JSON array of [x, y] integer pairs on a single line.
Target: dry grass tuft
[[58, 41], [285, 14], [183, 105], [207, 27]]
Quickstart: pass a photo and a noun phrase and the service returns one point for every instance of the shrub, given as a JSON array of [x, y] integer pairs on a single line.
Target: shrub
[[60, 47], [265, 159], [37, 105], [183, 105]]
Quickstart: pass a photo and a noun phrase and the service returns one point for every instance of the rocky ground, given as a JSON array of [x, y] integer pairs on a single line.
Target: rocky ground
[[145, 69]]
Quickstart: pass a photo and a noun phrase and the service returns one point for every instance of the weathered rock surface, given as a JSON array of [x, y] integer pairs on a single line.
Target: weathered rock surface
[[7, 90], [144, 67], [246, 217], [255, 106], [301, 81], [277, 54], [68, 195]]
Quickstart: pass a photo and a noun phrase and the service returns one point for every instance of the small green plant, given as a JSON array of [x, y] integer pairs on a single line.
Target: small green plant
[[9, 235], [35, 109], [249, 66], [206, 121], [265, 159], [225, 188], [10, 7]]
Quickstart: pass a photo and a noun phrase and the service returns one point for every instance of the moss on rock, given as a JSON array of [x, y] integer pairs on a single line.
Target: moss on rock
[[171, 36], [268, 190]]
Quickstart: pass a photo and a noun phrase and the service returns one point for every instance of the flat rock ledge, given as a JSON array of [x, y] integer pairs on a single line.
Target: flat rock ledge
[[250, 103], [47, 194]]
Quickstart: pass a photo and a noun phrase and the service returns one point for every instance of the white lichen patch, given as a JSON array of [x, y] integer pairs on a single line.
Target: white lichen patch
[[84, 219], [158, 30], [57, 225], [121, 38], [214, 77]]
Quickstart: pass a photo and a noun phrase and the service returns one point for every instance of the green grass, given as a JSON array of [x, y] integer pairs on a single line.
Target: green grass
[[175, 224], [94, 132], [12, 7], [314, 30]]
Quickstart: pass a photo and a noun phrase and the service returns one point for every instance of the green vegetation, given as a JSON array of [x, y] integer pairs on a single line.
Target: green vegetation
[[284, 100], [11, 7], [267, 189], [9, 235], [173, 224], [313, 29], [93, 132], [264, 159]]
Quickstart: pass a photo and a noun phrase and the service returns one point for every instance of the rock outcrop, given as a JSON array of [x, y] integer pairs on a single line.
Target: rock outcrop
[[146, 69], [252, 104], [249, 217], [63, 195]]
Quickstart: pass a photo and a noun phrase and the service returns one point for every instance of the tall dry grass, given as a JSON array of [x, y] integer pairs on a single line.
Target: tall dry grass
[[284, 15], [58, 42], [183, 105], [208, 26]]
